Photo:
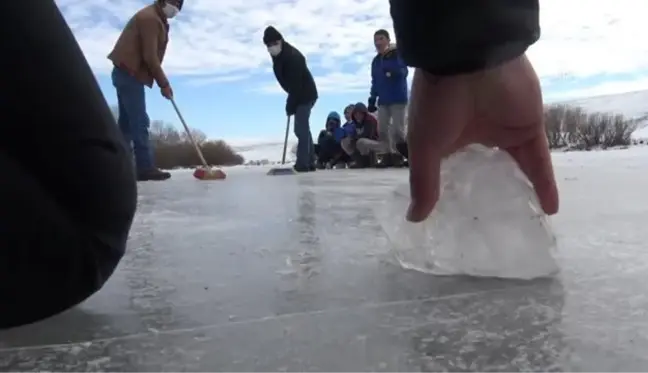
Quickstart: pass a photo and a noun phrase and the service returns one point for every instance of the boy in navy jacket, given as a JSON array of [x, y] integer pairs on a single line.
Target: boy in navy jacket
[[389, 91]]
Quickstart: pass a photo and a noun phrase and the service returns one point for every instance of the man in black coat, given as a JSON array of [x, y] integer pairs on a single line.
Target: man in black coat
[[295, 78]]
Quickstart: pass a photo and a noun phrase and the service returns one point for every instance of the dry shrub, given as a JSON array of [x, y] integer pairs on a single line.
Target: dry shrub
[[173, 149], [553, 118], [571, 126]]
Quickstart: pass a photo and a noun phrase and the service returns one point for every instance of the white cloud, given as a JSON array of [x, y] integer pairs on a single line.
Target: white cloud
[[222, 39], [204, 81], [582, 38]]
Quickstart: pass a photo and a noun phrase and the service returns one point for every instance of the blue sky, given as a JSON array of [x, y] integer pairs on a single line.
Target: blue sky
[[234, 109], [221, 72]]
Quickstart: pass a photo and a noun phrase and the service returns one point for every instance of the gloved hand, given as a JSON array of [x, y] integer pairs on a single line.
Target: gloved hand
[[291, 107], [371, 105]]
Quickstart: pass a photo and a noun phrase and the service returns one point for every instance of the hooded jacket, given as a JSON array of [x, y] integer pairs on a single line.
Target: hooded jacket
[[368, 128], [292, 72], [389, 78], [338, 131], [334, 130]]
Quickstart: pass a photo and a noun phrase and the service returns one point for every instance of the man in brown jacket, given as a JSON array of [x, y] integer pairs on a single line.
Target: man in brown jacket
[[137, 57]]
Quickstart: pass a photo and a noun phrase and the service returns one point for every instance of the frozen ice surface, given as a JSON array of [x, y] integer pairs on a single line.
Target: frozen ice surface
[[262, 273], [488, 222]]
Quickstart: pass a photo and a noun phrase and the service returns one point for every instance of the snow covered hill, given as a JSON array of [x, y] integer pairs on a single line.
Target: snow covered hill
[[271, 151], [633, 105]]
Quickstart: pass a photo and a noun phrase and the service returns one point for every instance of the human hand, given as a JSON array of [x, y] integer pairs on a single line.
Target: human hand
[[167, 92], [290, 107], [499, 107], [371, 105]]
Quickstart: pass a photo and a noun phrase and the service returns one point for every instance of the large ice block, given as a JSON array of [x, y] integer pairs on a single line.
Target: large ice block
[[488, 222]]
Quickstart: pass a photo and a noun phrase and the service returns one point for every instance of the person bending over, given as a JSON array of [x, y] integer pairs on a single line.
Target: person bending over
[[137, 62], [361, 144], [295, 78]]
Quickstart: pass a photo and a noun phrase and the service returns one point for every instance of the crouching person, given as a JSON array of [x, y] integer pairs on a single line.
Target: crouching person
[[328, 148], [363, 142]]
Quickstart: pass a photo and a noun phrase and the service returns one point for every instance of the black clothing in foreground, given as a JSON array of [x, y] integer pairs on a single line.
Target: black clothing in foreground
[[68, 191], [463, 36], [294, 77]]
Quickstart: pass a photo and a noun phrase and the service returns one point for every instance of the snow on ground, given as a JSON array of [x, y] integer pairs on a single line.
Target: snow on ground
[[270, 151]]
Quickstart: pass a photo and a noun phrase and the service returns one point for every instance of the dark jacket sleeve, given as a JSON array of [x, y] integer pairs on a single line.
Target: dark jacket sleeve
[[68, 191], [296, 71], [463, 36], [279, 74], [373, 92]]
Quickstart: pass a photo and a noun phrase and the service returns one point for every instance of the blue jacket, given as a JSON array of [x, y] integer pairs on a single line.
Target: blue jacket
[[348, 130], [390, 89]]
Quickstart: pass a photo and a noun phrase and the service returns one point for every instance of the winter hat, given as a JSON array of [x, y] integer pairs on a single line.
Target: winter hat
[[333, 115], [271, 35]]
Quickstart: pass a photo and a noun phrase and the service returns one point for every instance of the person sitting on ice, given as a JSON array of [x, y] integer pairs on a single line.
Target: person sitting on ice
[[328, 149], [362, 143]]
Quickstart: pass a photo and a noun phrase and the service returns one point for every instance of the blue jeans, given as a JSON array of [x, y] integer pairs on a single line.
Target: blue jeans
[[305, 147], [133, 120]]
